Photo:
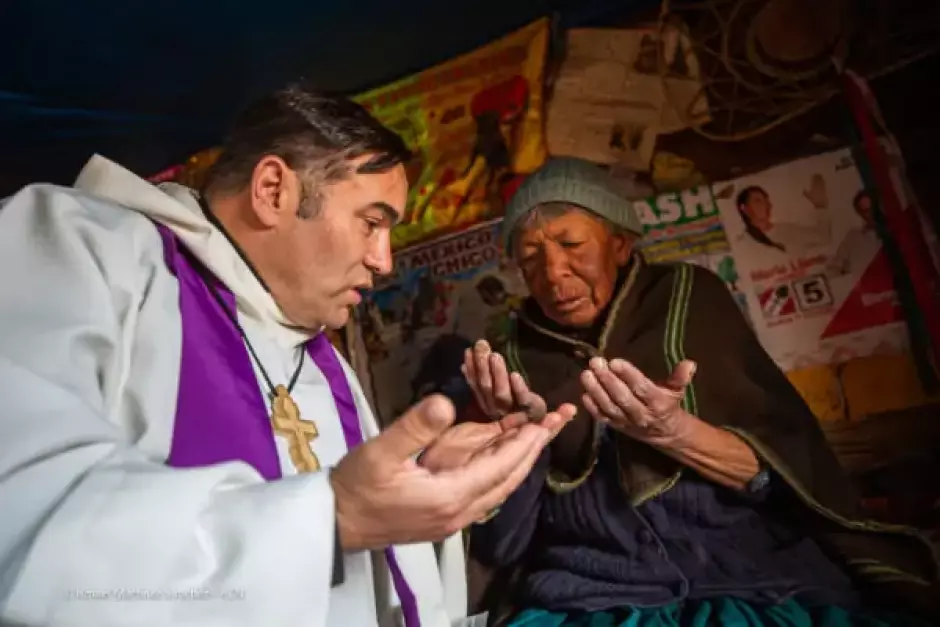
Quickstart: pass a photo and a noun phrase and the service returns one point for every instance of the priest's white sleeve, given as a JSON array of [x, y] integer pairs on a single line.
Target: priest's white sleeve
[[96, 530]]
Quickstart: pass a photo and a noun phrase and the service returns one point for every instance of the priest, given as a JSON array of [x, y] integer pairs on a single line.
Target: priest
[[180, 444]]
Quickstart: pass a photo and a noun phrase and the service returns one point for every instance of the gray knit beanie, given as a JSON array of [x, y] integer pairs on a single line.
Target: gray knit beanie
[[574, 181]]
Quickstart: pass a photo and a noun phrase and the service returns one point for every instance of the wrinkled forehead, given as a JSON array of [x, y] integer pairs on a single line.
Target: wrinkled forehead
[[553, 220]]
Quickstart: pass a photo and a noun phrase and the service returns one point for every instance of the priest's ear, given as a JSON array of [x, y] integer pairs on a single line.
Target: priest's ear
[[276, 191]]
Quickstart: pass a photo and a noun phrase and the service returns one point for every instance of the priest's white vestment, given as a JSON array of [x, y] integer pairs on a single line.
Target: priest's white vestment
[[97, 529]]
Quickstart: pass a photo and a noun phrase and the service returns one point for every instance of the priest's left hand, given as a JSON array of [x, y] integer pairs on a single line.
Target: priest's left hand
[[618, 394], [456, 446]]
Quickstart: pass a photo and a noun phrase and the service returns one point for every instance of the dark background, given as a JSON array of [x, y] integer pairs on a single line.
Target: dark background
[[149, 83]]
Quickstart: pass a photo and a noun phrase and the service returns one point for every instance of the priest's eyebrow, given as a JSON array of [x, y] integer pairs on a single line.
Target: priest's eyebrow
[[389, 214]]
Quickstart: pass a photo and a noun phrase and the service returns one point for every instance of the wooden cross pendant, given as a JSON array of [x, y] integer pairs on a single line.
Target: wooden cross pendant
[[285, 416]]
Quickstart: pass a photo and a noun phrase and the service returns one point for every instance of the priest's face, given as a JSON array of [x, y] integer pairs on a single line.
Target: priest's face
[[570, 261], [327, 249]]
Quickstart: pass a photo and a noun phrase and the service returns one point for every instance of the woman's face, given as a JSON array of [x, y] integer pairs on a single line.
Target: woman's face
[[570, 264]]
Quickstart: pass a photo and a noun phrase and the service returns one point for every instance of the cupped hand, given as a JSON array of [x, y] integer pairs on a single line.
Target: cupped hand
[[383, 496], [618, 394], [497, 392], [457, 446]]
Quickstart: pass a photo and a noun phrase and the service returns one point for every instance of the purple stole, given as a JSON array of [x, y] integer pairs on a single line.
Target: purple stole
[[220, 412]]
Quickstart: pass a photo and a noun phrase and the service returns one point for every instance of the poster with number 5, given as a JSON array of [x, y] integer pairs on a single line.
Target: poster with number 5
[[818, 284]]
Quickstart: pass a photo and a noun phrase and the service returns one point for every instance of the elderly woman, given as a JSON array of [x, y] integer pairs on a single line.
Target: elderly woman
[[694, 487]]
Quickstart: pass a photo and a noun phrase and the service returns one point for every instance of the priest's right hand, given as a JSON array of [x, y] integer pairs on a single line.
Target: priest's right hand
[[497, 392], [384, 497]]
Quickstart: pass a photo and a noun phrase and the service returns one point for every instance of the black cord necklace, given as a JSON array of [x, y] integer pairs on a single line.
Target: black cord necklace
[[232, 316], [285, 415]]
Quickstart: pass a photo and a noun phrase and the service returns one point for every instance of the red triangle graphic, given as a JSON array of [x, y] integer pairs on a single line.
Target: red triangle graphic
[[871, 303], [764, 296]]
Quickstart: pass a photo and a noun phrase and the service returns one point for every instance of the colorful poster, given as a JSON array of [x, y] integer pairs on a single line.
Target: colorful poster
[[441, 297], [475, 124], [686, 226], [818, 284]]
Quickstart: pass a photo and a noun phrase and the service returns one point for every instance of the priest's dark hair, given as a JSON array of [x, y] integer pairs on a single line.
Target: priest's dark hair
[[315, 132]]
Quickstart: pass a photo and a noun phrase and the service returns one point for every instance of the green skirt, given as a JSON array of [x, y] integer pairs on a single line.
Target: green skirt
[[711, 612]]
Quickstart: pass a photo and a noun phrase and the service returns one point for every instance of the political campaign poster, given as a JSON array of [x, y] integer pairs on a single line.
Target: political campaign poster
[[441, 297], [687, 227], [817, 282]]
